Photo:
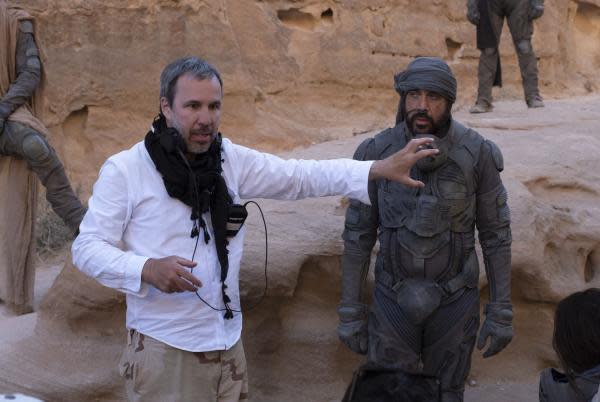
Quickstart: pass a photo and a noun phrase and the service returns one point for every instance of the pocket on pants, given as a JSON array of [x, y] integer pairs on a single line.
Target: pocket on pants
[[144, 367], [131, 360], [126, 364]]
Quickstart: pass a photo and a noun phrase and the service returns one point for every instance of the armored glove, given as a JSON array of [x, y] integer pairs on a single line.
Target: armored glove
[[352, 329], [473, 12], [536, 9], [498, 326]]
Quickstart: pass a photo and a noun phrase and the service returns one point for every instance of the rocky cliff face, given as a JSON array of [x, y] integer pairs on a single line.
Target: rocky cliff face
[[296, 71], [301, 72]]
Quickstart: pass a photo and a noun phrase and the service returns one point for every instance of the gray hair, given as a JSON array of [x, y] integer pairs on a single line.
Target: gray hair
[[195, 66]]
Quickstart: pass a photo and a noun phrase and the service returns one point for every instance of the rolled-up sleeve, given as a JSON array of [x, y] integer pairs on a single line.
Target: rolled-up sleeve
[[96, 250]]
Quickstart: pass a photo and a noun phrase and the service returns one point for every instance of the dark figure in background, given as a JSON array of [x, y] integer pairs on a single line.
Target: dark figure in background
[[576, 341], [21, 134], [425, 310], [488, 16]]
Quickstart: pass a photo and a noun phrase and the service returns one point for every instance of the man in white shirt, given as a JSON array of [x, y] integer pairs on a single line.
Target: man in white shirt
[[156, 229]]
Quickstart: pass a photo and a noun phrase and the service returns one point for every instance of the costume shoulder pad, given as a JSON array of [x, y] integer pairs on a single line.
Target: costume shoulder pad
[[496, 155], [364, 152]]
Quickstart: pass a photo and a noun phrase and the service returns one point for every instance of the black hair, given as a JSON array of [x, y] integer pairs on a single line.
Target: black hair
[[576, 338]]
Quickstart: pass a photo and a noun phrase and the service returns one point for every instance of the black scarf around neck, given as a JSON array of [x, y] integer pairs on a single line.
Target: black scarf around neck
[[198, 183]]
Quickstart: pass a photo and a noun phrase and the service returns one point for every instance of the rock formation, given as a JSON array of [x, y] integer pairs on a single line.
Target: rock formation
[[300, 72], [296, 72]]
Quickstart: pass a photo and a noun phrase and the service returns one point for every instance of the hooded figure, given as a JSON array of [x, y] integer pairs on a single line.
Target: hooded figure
[[424, 314], [24, 151]]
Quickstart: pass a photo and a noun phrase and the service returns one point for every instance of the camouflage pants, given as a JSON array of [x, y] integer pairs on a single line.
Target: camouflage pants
[[154, 371]]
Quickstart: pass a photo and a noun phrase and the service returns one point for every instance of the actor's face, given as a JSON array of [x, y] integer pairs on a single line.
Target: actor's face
[[426, 111], [195, 112]]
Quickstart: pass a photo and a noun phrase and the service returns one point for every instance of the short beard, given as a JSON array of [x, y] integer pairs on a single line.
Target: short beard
[[438, 128], [420, 114], [190, 147]]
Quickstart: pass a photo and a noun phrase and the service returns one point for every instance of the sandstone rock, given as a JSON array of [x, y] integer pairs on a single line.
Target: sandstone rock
[[72, 353], [295, 72], [300, 72]]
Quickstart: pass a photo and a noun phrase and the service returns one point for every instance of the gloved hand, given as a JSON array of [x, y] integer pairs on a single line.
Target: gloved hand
[[352, 329], [536, 9], [473, 12], [497, 326]]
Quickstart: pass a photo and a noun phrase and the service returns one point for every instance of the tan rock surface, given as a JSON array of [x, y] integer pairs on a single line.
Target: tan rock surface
[[296, 72], [299, 72], [553, 177]]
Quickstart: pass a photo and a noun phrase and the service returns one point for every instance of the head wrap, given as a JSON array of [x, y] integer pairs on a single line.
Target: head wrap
[[428, 73]]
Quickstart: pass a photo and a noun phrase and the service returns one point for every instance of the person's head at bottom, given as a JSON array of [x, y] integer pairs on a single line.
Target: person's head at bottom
[[576, 337]]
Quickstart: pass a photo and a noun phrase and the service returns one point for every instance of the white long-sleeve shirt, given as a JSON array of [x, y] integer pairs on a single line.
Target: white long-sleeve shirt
[[131, 218]]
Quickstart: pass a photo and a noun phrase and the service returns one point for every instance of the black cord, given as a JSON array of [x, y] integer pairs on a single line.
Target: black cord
[[266, 255], [266, 263], [198, 222]]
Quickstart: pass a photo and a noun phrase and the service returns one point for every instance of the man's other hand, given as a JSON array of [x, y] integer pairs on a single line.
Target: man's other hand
[[170, 274], [352, 328], [397, 166], [497, 327]]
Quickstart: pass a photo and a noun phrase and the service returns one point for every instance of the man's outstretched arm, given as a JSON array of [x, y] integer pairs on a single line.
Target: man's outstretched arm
[[263, 175]]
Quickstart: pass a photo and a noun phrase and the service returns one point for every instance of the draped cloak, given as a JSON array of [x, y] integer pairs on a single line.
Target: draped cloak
[[18, 184]]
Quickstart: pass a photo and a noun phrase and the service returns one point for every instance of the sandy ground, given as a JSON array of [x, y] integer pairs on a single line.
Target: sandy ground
[[11, 327], [45, 273]]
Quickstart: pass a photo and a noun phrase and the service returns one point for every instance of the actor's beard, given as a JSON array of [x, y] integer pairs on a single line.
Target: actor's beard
[[434, 127]]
